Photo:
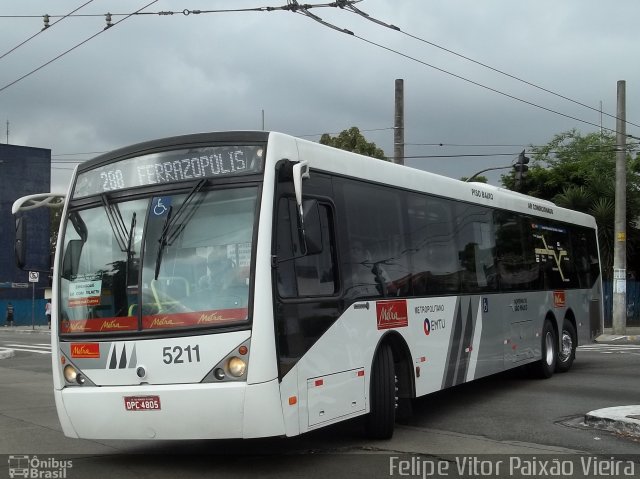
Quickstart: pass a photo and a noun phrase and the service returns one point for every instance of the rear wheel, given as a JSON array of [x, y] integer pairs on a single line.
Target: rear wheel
[[547, 365], [382, 396], [567, 351]]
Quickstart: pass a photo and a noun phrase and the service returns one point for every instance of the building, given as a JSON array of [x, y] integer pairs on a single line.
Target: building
[[23, 171]]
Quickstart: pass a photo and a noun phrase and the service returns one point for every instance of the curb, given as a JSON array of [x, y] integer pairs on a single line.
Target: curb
[[622, 420], [28, 330], [617, 339]]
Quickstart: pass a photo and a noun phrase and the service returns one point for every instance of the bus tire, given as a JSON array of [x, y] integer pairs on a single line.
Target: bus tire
[[567, 350], [546, 366], [382, 396]]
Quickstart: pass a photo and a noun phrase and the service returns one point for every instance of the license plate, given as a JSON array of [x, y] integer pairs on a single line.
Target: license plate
[[142, 403]]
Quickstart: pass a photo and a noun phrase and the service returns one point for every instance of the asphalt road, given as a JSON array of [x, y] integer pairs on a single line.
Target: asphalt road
[[508, 414]]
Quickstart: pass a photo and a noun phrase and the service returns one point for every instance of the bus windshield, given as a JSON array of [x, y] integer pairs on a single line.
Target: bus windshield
[[177, 261]]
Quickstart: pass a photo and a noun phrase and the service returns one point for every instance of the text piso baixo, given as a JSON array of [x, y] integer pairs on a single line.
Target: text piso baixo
[[471, 466]]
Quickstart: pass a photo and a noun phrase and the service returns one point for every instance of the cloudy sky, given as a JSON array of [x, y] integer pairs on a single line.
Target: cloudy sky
[[151, 76]]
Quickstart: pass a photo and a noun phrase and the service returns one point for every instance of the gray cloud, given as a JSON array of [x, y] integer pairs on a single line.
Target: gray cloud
[[155, 76]]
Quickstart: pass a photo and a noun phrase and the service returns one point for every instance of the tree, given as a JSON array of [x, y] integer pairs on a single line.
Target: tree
[[578, 172], [476, 179], [571, 159], [353, 140]]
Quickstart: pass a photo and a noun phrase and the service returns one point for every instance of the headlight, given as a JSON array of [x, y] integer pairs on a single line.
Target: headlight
[[232, 367], [70, 373], [236, 366]]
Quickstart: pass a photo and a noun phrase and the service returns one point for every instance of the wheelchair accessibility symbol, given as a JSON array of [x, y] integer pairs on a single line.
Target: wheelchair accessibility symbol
[[161, 206]]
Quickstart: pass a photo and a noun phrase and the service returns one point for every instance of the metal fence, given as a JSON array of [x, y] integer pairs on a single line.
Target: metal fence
[[633, 303], [22, 310]]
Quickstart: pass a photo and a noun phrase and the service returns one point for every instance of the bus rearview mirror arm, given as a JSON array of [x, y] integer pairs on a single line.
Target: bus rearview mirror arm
[[300, 171]]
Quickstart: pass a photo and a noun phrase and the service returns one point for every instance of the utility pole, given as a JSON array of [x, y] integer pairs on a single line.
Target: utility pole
[[7, 132], [620, 244], [398, 128]]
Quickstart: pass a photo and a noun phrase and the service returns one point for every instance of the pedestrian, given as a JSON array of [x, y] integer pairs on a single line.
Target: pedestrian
[[47, 313], [10, 314]]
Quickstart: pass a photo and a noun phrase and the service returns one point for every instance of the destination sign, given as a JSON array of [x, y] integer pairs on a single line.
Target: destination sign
[[169, 167]]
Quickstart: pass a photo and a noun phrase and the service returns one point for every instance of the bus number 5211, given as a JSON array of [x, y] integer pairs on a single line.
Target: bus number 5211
[[174, 354]]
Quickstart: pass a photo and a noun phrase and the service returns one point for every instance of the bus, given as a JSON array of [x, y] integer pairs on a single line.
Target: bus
[[253, 284]]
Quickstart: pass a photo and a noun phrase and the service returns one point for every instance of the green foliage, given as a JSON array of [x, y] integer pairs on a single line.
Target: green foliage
[[578, 172], [353, 140], [476, 179], [603, 210]]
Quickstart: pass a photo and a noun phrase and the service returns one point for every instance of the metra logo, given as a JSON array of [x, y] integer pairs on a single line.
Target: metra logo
[[433, 325], [85, 350], [392, 314], [559, 299], [113, 324]]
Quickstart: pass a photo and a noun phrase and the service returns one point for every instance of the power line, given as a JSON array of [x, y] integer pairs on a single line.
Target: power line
[[465, 144], [470, 155], [46, 27], [338, 132], [486, 87], [353, 9], [71, 49], [77, 154], [303, 9], [294, 6], [460, 77], [291, 6]]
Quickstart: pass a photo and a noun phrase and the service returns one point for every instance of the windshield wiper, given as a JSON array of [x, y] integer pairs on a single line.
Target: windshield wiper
[[117, 224], [129, 246], [184, 213]]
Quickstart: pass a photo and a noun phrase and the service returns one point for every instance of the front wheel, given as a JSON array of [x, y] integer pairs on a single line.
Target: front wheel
[[382, 396], [567, 351], [547, 365]]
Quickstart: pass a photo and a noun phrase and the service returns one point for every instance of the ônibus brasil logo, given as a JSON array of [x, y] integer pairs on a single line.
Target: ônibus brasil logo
[[34, 467]]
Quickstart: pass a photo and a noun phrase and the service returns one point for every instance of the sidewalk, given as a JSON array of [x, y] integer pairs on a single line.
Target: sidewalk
[[632, 336], [624, 420]]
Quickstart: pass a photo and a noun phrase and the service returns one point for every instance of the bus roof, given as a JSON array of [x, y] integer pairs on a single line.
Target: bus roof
[[322, 157], [175, 142], [326, 158]]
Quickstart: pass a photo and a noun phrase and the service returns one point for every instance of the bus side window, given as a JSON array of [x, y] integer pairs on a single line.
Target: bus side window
[[435, 261], [310, 275], [518, 268], [476, 248], [376, 257]]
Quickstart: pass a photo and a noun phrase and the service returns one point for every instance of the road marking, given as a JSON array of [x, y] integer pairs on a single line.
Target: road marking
[[617, 347], [30, 350], [611, 348], [38, 346]]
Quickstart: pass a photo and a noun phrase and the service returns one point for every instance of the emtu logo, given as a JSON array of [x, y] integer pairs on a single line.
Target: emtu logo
[[433, 325], [427, 326]]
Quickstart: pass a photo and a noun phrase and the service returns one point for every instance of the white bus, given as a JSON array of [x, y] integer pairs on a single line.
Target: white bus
[[252, 284]]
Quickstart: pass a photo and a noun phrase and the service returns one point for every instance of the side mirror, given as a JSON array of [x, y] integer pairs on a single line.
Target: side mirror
[[71, 259], [20, 246], [312, 233]]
